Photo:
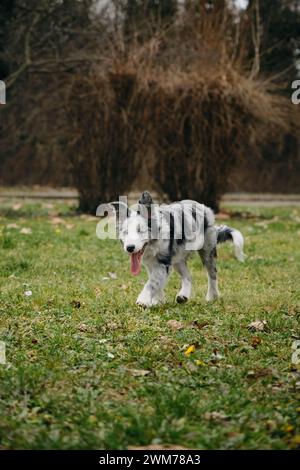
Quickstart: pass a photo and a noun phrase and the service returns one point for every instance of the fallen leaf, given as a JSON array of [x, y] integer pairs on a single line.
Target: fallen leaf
[[256, 341], [255, 374], [17, 206], [26, 231], [216, 356], [191, 349], [258, 325], [83, 327], [215, 416], [199, 326], [139, 372], [12, 226], [112, 275], [175, 325], [199, 363], [57, 221], [295, 441], [110, 355]]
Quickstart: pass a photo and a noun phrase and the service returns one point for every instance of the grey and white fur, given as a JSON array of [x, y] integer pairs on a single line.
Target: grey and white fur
[[160, 254]]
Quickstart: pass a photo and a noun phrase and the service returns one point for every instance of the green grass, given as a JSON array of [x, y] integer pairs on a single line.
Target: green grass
[[72, 375]]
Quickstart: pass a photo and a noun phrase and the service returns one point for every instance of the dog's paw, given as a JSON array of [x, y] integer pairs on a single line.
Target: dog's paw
[[181, 299], [143, 304], [212, 296], [146, 302]]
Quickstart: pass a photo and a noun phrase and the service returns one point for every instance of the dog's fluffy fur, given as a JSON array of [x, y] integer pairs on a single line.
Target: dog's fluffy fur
[[172, 243]]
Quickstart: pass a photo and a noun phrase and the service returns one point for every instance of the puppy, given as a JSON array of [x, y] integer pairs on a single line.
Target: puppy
[[163, 237]]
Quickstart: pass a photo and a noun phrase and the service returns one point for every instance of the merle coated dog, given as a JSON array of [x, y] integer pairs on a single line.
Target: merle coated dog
[[163, 237]]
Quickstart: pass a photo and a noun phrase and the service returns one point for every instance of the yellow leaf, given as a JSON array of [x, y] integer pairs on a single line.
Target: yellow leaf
[[200, 363], [296, 440], [289, 428], [190, 350]]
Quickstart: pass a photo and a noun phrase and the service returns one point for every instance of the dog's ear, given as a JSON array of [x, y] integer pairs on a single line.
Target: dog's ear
[[145, 203], [146, 198]]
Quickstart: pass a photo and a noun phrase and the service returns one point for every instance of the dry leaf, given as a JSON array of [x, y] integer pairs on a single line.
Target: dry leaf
[[112, 275], [26, 231], [175, 325], [10, 226], [295, 441], [215, 416], [83, 327], [263, 372], [199, 326], [57, 221], [139, 372], [258, 325], [256, 341]]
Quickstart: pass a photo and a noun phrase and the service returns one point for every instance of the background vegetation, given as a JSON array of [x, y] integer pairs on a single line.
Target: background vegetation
[[99, 91]]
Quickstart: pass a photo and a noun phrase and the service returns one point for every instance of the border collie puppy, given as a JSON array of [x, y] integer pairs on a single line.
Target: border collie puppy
[[163, 237]]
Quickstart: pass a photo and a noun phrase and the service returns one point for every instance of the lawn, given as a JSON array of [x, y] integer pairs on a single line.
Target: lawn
[[87, 368]]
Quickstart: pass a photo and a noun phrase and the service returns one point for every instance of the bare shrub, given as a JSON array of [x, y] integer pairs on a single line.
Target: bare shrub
[[105, 112], [187, 95]]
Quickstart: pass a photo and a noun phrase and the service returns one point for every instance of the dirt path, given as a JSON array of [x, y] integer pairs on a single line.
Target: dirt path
[[70, 194]]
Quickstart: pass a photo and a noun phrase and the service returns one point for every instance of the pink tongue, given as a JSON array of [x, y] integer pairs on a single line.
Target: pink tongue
[[135, 263]]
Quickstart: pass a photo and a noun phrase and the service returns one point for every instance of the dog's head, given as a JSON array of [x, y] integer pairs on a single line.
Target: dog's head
[[134, 230]]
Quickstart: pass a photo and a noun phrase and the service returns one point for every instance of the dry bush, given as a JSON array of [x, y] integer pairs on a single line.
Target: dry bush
[[187, 95], [104, 111], [205, 126]]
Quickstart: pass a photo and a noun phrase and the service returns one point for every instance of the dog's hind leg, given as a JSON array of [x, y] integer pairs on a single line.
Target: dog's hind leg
[[209, 259], [186, 282]]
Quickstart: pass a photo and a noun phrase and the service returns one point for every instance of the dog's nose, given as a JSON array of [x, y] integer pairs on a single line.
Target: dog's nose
[[130, 248]]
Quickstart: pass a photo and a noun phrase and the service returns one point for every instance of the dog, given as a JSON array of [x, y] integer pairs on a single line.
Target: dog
[[163, 237]]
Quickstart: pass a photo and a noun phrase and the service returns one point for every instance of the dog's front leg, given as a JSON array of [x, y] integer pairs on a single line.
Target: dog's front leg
[[152, 293]]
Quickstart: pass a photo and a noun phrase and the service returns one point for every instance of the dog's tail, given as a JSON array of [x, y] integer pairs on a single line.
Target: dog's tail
[[225, 234]]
